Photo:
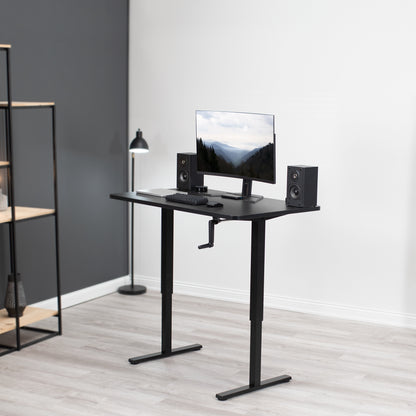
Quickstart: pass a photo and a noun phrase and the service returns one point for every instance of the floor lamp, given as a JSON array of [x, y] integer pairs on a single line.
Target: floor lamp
[[138, 145]]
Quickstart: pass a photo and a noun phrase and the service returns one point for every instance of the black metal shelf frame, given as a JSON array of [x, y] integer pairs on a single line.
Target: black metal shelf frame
[[12, 223]]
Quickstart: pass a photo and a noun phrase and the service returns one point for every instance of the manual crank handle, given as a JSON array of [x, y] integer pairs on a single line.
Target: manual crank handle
[[211, 225]]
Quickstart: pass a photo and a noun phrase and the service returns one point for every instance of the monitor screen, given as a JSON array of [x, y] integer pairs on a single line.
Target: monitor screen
[[240, 145]]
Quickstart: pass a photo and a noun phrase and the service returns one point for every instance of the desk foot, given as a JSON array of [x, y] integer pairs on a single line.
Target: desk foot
[[225, 395], [159, 355]]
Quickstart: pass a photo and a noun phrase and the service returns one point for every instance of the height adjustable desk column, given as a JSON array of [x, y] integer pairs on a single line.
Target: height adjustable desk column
[[257, 213], [166, 288]]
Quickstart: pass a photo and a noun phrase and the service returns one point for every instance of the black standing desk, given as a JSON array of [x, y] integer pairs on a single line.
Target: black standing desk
[[257, 213]]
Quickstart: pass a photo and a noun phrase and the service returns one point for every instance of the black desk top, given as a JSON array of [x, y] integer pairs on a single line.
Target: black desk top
[[231, 209]]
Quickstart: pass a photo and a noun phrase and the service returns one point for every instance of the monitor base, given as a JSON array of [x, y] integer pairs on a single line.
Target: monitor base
[[245, 194], [253, 198]]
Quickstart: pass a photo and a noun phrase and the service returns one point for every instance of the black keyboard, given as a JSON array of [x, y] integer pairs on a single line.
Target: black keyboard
[[187, 199]]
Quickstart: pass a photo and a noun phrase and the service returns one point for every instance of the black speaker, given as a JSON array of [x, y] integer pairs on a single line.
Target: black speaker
[[186, 174], [302, 186]]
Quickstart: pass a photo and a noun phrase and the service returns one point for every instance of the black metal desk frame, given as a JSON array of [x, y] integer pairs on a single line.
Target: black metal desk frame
[[233, 210]]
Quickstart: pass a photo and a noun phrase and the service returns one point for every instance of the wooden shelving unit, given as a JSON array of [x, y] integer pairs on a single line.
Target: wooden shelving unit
[[15, 213]]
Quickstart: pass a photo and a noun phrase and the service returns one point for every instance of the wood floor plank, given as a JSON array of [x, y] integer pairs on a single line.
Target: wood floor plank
[[339, 367]]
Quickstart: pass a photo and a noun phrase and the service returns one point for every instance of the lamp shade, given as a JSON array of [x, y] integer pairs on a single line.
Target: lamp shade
[[139, 145]]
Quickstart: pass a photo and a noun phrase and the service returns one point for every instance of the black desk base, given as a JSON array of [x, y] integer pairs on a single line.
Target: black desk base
[[258, 229]]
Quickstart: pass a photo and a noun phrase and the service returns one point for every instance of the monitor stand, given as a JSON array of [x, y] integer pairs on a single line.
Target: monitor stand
[[245, 193]]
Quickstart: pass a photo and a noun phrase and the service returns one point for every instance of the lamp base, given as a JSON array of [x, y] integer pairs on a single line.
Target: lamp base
[[131, 290]]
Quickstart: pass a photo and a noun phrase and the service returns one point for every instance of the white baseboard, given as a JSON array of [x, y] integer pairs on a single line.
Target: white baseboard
[[84, 295], [240, 296], [291, 304]]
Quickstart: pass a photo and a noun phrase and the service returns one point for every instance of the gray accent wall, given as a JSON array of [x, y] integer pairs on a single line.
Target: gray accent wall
[[73, 52]]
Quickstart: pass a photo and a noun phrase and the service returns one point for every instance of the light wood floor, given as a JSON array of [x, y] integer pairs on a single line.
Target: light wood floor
[[338, 367]]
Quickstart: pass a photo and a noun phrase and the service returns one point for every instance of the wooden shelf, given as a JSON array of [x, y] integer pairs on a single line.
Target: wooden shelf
[[24, 213], [4, 164], [27, 104], [30, 316], [5, 46]]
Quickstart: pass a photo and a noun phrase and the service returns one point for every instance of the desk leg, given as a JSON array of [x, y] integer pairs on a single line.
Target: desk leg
[[258, 229], [166, 290]]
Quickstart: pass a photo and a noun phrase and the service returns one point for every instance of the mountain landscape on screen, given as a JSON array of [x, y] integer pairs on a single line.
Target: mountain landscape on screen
[[217, 157]]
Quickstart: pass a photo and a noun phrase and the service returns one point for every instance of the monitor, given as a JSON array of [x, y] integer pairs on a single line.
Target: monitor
[[239, 145]]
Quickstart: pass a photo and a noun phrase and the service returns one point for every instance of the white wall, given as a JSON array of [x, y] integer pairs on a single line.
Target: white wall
[[341, 78]]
